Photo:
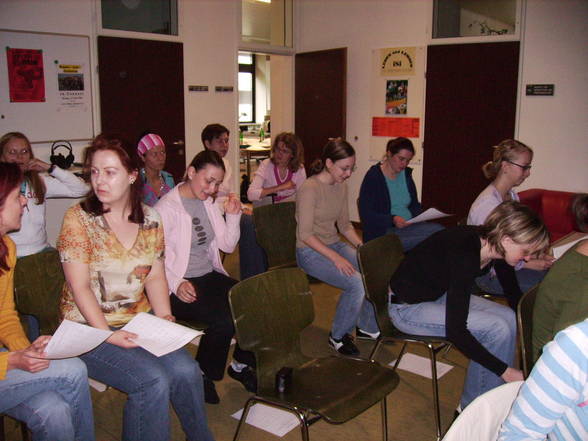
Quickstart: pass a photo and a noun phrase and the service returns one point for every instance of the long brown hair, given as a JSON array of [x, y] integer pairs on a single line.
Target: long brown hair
[[292, 142], [115, 144], [31, 176], [335, 149], [10, 178]]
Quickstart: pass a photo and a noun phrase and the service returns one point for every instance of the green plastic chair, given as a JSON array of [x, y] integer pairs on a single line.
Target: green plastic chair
[[525, 322], [378, 259], [275, 229], [270, 310]]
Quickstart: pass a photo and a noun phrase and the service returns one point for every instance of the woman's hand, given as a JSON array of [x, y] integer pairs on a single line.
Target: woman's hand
[[35, 164], [288, 185], [512, 374], [399, 222], [123, 339], [543, 262], [169, 318], [343, 265], [32, 358], [186, 292], [232, 204]]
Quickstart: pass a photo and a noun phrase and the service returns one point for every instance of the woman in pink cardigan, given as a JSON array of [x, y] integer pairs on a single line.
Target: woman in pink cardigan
[[195, 231]]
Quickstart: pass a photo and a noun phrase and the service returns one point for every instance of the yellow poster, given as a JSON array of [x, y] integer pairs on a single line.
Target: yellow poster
[[397, 61]]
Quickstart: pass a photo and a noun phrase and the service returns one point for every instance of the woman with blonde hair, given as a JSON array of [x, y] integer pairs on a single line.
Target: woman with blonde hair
[[510, 166], [276, 180], [431, 291]]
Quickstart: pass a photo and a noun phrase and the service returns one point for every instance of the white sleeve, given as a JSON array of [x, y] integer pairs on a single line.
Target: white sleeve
[[64, 184]]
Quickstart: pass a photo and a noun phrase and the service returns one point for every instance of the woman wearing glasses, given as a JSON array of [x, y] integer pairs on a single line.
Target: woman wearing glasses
[[321, 209], [280, 175], [510, 166], [195, 231], [156, 181]]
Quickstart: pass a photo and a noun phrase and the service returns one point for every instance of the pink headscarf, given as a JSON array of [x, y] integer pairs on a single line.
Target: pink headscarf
[[148, 142]]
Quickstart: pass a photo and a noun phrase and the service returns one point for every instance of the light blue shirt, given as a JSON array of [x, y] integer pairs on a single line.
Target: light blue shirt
[[399, 196]]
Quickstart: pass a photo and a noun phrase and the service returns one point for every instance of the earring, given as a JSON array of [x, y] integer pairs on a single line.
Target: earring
[[132, 180]]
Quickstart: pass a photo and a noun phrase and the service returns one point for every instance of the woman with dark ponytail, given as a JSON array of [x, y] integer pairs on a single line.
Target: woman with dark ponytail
[[321, 209]]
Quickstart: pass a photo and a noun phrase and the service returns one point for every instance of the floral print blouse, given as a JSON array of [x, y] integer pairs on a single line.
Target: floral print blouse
[[117, 274]]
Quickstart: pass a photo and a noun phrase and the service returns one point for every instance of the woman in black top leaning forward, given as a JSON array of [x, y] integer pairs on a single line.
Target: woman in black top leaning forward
[[431, 291]]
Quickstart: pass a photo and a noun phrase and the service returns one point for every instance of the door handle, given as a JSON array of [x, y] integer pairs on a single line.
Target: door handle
[[179, 142]]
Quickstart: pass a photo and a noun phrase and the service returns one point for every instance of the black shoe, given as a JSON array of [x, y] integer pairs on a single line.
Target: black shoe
[[345, 346], [210, 395], [246, 377], [362, 335]]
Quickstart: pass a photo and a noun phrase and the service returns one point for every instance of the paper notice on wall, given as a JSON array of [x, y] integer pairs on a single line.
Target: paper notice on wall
[[397, 61], [71, 87], [394, 127], [396, 97], [26, 79]]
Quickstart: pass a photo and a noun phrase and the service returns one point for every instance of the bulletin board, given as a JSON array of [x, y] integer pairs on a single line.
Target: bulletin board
[[46, 86], [397, 98]]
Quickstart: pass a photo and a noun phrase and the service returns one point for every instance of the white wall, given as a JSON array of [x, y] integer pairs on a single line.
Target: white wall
[[553, 51]]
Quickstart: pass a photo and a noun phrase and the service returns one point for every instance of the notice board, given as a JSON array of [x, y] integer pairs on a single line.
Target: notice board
[[46, 85]]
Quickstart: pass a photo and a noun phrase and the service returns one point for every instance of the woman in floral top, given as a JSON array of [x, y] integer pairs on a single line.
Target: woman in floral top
[[111, 246]]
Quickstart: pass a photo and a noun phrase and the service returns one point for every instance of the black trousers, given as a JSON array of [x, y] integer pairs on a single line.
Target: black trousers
[[212, 307]]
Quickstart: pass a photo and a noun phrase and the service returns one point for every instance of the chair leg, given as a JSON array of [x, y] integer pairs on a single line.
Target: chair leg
[[400, 354], [303, 425], [433, 358], [2, 436], [379, 342], [250, 401], [384, 420]]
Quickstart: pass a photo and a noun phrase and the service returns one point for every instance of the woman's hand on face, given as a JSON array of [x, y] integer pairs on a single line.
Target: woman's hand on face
[[35, 164], [186, 292], [512, 374], [232, 205], [543, 262], [123, 339], [399, 222], [343, 265]]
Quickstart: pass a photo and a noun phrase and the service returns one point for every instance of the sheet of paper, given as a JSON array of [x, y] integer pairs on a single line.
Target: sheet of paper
[[159, 336], [271, 419], [421, 365], [560, 249], [72, 339], [430, 214]]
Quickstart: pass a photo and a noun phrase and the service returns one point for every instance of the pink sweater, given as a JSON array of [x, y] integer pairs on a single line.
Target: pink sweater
[[177, 227]]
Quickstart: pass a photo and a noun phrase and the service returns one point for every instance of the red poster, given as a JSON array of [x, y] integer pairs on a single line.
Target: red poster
[[394, 126], [25, 75]]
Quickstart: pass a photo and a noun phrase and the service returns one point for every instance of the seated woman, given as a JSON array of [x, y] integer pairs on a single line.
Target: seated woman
[[112, 250], [431, 292], [562, 299], [156, 181], [280, 175], [510, 166], [195, 231], [51, 397], [388, 198], [321, 208]]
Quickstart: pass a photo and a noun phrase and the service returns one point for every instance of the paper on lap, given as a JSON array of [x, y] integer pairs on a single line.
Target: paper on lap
[[427, 215], [156, 335]]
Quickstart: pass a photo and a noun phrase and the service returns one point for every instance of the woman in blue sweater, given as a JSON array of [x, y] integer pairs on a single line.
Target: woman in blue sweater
[[388, 198]]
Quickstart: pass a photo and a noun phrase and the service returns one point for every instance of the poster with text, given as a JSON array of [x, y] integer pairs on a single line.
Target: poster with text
[[396, 97], [396, 61], [71, 87], [26, 78]]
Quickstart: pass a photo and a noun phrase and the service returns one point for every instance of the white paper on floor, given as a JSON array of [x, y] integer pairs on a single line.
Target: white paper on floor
[[271, 419], [421, 365]]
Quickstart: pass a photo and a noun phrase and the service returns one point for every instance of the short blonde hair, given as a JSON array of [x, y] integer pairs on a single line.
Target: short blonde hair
[[507, 150], [518, 222]]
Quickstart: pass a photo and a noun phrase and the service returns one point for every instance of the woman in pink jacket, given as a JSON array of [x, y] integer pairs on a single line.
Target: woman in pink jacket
[[195, 231]]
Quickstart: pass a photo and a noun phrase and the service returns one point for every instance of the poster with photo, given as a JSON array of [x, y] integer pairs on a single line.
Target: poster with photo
[[396, 97], [71, 87], [26, 79]]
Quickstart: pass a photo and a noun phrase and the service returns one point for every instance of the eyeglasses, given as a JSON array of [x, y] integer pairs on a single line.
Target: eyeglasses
[[346, 169], [199, 230], [524, 167]]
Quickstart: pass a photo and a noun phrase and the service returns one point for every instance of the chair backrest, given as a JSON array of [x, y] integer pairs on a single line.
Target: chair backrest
[[525, 322], [378, 259], [275, 228], [270, 310], [482, 419], [38, 281]]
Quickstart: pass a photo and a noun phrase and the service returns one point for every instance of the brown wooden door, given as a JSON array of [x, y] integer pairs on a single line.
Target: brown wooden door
[[470, 106], [141, 88], [320, 99]]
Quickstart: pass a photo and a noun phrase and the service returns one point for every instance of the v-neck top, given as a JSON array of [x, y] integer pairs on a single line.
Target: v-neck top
[[117, 274]]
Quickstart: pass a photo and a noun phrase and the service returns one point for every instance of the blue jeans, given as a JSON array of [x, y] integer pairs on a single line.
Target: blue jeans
[[54, 403], [527, 279], [151, 382], [252, 257], [352, 308], [493, 325], [414, 234]]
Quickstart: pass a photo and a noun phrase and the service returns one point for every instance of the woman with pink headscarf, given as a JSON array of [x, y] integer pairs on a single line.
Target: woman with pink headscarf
[[156, 181]]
